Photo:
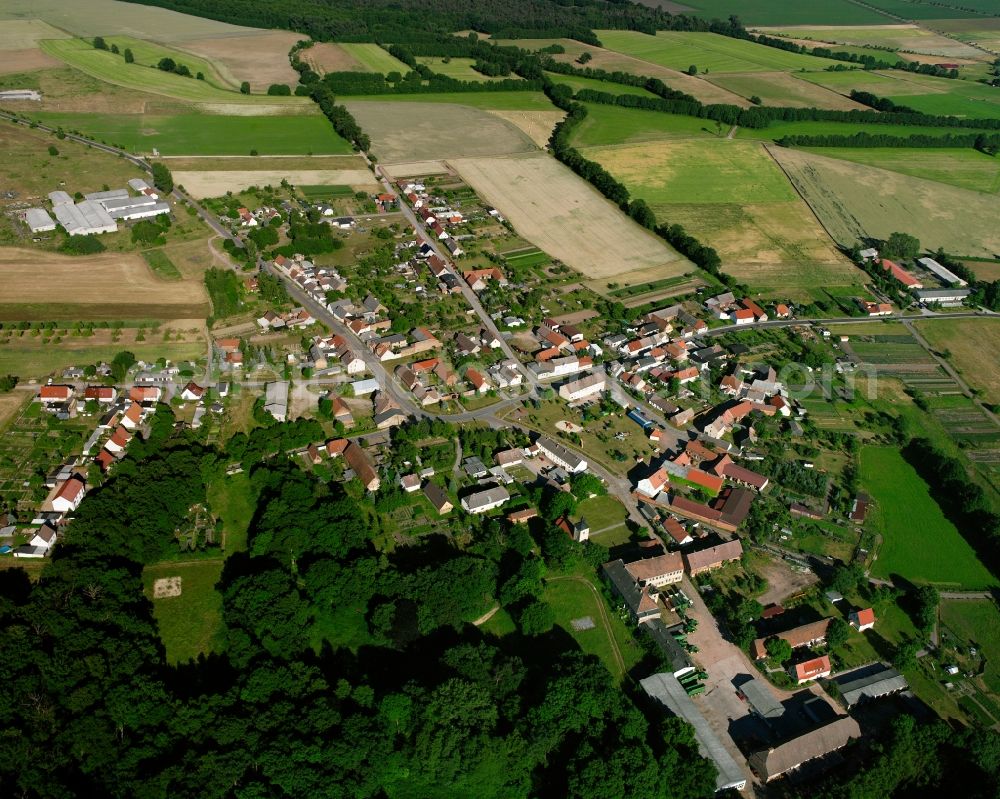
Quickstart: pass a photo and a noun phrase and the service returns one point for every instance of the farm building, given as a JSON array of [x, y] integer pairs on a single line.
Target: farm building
[[667, 689], [38, 220], [276, 400], [817, 743], [761, 698], [141, 207], [943, 296], [85, 218], [20, 94], [110, 194], [945, 274], [560, 455], [871, 682], [713, 557], [901, 274], [797, 637]]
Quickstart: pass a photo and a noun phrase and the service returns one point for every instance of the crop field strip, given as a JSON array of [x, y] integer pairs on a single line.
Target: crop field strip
[[148, 54], [206, 134], [785, 90], [790, 12], [709, 52], [912, 38], [374, 59], [565, 217], [201, 184], [855, 202]]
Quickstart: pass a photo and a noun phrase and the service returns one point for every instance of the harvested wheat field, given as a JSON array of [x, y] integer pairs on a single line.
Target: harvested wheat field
[[326, 57], [257, 163], [414, 131], [563, 215], [20, 34], [785, 90], [107, 286], [13, 62], [414, 169], [855, 201], [216, 183], [260, 58], [537, 124]]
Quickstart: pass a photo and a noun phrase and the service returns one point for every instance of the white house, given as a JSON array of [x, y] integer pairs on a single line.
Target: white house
[[69, 495], [483, 501], [582, 389], [44, 537]]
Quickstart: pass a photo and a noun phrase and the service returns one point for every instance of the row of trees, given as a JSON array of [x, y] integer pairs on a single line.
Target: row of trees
[[979, 141], [562, 97], [342, 120]]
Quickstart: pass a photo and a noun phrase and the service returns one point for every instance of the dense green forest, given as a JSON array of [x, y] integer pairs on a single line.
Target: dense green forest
[[429, 707]]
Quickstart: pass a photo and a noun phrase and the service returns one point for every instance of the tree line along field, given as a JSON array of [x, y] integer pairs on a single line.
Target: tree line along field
[[790, 12], [965, 168], [709, 52], [207, 134], [855, 202], [732, 195], [918, 542]]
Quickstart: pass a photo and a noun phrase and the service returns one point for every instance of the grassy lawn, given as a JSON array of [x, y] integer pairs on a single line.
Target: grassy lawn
[[499, 624], [573, 599], [919, 543], [207, 134], [602, 512], [112, 68], [965, 168], [971, 102], [231, 498], [457, 68], [609, 125], [160, 263], [190, 624], [709, 52], [29, 358], [374, 58], [971, 343]]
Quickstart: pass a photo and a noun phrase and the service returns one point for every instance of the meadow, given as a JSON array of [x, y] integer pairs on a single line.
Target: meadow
[[374, 59], [148, 54], [457, 68], [977, 623], [577, 84], [485, 101], [970, 343], [972, 101], [785, 90], [778, 130], [855, 201], [918, 542], [965, 168], [567, 218], [112, 68], [907, 9], [207, 134], [609, 125], [32, 358], [733, 195], [709, 52], [204, 183], [789, 12], [189, 624]]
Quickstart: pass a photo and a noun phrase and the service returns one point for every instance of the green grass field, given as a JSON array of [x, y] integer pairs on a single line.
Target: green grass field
[[149, 54], [919, 543], [608, 125], [112, 68], [325, 192], [789, 12], [602, 512], [969, 101], [374, 58], [574, 599], [207, 134], [457, 68], [33, 359], [782, 89], [709, 52], [160, 263], [965, 168], [697, 171], [190, 624], [487, 101], [577, 84], [950, 9]]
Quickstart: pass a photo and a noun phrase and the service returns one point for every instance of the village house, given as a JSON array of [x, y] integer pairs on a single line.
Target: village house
[[862, 620], [713, 557], [797, 637], [132, 416], [584, 388], [103, 394], [438, 497], [55, 394], [364, 470], [192, 391], [479, 383], [119, 440], [69, 495], [560, 455], [484, 501], [815, 669]]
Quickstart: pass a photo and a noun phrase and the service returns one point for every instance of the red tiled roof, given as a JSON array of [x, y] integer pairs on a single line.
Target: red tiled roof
[[866, 616], [812, 669]]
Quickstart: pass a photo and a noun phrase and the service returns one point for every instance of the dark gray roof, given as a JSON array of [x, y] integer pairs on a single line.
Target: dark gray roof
[[761, 698], [667, 689], [870, 683]]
